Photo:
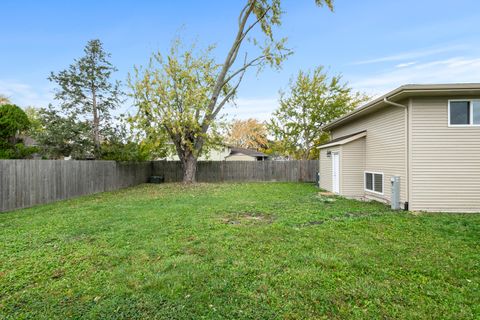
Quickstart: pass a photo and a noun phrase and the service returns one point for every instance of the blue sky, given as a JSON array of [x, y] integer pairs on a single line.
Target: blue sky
[[376, 45]]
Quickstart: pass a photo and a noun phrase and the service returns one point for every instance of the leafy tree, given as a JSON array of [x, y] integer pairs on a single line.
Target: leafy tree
[[122, 145], [249, 133], [62, 135], [33, 115], [172, 96], [17, 151], [313, 100], [124, 151], [183, 95], [86, 90], [13, 122], [276, 150]]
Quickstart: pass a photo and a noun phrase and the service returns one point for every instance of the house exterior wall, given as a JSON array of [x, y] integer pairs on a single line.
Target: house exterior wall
[[240, 157], [444, 161], [352, 168], [326, 168], [385, 148]]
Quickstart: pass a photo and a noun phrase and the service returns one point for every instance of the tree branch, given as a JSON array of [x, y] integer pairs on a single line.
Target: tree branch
[[232, 53], [230, 94], [175, 88], [240, 16], [242, 69], [239, 41]]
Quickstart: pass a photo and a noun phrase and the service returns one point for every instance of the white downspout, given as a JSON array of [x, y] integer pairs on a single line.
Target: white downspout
[[407, 165]]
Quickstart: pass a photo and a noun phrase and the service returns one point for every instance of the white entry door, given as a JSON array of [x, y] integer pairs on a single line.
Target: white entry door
[[335, 172]]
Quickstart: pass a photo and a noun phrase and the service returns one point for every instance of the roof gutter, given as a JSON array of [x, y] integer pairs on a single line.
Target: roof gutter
[[385, 100], [409, 89], [393, 103]]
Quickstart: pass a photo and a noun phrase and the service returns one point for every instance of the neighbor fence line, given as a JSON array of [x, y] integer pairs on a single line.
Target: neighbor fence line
[[25, 183], [241, 171]]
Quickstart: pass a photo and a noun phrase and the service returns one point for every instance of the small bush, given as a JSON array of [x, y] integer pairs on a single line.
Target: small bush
[[13, 120]]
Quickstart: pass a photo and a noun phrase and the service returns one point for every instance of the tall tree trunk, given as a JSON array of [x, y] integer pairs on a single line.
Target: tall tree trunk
[[96, 124], [186, 156], [189, 163]]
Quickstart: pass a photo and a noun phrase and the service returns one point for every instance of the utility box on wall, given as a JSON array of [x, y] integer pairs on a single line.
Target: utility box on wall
[[395, 187]]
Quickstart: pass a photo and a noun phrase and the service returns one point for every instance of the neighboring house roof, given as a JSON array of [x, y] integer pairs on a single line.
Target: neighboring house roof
[[248, 152], [227, 151], [345, 139], [407, 91]]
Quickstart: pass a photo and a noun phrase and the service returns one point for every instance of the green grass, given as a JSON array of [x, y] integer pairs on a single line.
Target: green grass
[[238, 251]]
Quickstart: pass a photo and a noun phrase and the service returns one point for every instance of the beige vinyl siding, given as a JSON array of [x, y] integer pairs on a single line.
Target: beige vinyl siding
[[445, 161], [240, 157], [353, 166], [326, 168], [385, 146]]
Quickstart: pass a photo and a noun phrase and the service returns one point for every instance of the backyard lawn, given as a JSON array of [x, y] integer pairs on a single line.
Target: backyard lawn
[[253, 251]]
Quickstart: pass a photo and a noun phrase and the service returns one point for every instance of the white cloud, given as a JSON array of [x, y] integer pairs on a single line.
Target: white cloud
[[260, 108], [406, 64], [452, 70], [412, 54], [25, 95]]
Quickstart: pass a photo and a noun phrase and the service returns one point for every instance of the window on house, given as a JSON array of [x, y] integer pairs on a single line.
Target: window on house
[[476, 112], [368, 181], [464, 112], [374, 182]]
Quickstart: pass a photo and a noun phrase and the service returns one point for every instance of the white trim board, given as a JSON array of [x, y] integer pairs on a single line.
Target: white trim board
[[344, 141]]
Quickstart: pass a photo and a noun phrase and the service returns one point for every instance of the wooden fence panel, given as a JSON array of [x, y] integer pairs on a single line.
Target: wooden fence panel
[[24, 183], [241, 171]]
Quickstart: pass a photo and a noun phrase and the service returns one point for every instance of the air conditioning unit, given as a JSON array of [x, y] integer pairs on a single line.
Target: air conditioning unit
[[395, 187]]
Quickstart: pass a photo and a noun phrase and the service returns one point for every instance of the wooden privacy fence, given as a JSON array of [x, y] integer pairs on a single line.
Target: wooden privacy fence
[[220, 171], [24, 183]]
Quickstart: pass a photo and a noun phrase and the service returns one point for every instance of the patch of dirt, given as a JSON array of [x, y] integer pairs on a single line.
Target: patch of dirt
[[248, 219], [58, 274]]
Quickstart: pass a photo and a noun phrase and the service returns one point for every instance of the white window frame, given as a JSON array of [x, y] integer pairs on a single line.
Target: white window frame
[[471, 124], [373, 182]]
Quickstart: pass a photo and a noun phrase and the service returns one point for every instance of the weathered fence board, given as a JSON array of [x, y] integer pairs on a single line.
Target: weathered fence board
[[24, 183], [223, 171]]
